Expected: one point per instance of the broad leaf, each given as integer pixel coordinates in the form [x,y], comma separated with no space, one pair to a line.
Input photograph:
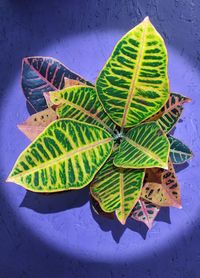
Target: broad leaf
[117,189]
[133,84]
[81,103]
[145,212]
[66,155]
[36,123]
[44,74]
[169,115]
[144,146]
[165,192]
[97,209]
[179,152]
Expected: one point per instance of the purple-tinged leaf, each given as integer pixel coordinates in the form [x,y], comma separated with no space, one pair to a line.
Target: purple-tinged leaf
[44,74]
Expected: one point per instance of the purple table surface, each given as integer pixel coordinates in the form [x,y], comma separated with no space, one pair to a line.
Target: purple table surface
[59,235]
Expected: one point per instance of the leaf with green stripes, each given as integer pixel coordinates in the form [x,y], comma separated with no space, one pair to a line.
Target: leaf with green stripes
[169,115]
[117,189]
[81,103]
[66,155]
[179,152]
[133,84]
[144,146]
[145,212]
[98,210]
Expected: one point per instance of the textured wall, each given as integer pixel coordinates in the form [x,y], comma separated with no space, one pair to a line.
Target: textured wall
[59,236]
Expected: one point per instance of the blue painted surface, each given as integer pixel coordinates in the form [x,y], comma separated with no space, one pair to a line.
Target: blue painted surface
[59,236]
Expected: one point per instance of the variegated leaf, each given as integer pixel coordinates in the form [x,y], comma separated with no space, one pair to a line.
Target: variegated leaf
[133,84]
[169,115]
[70,82]
[44,74]
[164,193]
[145,212]
[144,146]
[98,210]
[81,103]
[179,152]
[117,189]
[66,155]
[36,123]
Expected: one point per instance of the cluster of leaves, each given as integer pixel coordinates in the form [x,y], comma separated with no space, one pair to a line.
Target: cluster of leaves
[113,136]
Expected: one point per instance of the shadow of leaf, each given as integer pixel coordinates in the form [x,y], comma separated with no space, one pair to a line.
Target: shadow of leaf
[56,202]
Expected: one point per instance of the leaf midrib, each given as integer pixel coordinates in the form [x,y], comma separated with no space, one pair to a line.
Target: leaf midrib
[89,114]
[135,76]
[64,156]
[145,151]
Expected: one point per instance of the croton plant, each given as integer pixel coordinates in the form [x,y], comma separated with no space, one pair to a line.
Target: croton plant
[112,136]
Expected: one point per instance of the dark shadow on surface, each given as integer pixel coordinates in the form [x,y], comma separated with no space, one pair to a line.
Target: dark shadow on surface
[50,203]
[164,215]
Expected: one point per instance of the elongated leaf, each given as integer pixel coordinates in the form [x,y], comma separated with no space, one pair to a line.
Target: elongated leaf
[36,123]
[97,209]
[44,74]
[117,189]
[144,146]
[65,156]
[145,212]
[81,103]
[133,84]
[164,193]
[179,152]
[171,112]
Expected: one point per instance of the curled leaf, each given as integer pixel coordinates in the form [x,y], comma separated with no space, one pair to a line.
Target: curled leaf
[97,209]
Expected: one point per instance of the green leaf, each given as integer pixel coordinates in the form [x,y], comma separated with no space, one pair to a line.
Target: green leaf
[66,155]
[179,152]
[161,187]
[133,84]
[144,146]
[37,122]
[44,74]
[171,112]
[117,189]
[81,103]
[145,212]
[98,210]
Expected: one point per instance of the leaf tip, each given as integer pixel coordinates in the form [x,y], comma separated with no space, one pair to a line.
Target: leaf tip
[146,19]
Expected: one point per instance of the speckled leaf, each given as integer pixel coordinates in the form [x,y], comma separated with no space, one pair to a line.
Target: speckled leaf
[36,123]
[44,74]
[117,189]
[81,103]
[66,155]
[145,212]
[165,192]
[133,84]
[144,146]
[169,115]
[179,152]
